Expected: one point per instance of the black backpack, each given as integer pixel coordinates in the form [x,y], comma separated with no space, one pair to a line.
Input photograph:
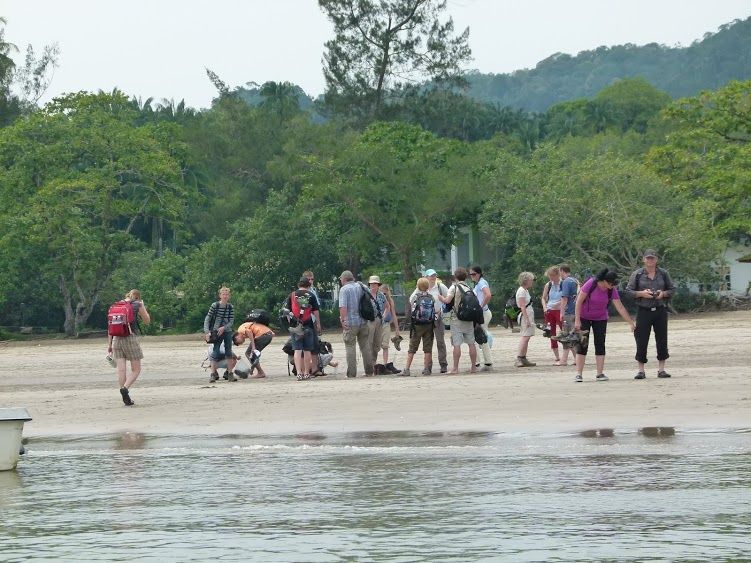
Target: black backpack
[469,307]
[367,305]
[258,316]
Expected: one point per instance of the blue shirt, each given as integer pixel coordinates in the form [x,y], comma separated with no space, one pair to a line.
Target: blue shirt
[349,298]
[480,295]
[568,289]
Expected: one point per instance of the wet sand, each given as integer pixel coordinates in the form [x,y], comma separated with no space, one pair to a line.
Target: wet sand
[69,389]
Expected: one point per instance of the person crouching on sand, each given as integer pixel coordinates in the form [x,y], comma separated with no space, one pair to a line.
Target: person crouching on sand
[260,336]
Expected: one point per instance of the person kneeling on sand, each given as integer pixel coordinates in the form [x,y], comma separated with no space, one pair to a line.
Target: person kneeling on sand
[260,336]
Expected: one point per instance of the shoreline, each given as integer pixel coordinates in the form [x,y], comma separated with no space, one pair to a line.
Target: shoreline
[70,391]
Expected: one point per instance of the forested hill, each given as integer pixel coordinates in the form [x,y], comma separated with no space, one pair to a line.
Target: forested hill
[679,71]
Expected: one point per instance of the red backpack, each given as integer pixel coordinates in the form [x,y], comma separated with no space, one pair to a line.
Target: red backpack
[301,306]
[120,317]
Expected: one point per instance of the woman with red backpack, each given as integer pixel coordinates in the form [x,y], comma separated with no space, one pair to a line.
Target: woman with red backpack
[125,346]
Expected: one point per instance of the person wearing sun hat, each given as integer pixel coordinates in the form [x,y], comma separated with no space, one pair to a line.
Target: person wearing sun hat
[651,288]
[376,325]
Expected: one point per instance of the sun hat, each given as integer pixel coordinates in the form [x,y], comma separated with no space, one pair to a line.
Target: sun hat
[374,279]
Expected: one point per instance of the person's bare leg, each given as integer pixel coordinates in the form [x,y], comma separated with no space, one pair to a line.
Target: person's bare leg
[121,368]
[457,355]
[410,357]
[580,359]
[308,361]
[473,358]
[135,371]
[523,345]
[300,363]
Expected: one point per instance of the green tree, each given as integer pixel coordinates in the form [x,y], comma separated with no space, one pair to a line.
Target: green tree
[593,211]
[78,181]
[708,155]
[383,46]
[400,190]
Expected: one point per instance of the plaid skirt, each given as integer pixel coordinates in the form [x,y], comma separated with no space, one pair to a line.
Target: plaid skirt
[127,347]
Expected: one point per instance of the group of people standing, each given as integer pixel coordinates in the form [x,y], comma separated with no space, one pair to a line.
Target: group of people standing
[569,307]
[583,309]
[427,322]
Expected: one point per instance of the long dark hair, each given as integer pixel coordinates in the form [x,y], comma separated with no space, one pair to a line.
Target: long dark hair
[477,270]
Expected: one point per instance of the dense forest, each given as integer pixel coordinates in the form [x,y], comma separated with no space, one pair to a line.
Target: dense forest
[102,192]
[713,61]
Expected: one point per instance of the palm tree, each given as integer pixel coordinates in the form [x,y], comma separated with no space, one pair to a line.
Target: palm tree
[281,97]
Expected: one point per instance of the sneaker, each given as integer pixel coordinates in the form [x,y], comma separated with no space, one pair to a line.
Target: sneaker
[640,375]
[214,377]
[405,372]
[231,376]
[426,371]
[601,377]
[389,368]
[523,362]
[578,378]
[444,369]
[226,375]
[662,374]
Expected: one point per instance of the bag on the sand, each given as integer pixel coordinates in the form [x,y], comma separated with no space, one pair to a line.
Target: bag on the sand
[120,318]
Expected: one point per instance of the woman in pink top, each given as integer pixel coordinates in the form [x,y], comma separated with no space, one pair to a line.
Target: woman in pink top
[592,311]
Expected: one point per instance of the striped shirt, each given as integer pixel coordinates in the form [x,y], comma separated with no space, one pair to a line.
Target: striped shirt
[223,315]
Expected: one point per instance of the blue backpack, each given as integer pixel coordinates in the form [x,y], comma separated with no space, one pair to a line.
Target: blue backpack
[423,312]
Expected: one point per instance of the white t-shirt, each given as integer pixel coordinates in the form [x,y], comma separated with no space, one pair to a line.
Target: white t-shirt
[523,295]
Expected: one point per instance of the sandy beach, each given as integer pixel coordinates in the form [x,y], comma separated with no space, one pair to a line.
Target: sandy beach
[69,389]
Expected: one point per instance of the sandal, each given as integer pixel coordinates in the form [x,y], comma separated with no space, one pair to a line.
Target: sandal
[557,363]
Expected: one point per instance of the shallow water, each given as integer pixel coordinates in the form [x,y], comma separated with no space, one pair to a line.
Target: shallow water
[653,494]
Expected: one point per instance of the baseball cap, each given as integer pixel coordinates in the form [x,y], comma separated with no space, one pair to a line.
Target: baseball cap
[650,253]
[430,272]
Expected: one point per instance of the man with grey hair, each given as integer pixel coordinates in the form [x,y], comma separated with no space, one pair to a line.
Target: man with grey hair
[354,327]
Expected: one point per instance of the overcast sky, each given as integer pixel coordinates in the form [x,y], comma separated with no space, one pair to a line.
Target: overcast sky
[160,48]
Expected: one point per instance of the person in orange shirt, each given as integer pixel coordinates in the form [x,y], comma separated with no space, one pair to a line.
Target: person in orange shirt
[260,336]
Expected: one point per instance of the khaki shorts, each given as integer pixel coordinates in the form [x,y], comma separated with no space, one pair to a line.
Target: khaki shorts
[126,347]
[462,332]
[385,335]
[527,327]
